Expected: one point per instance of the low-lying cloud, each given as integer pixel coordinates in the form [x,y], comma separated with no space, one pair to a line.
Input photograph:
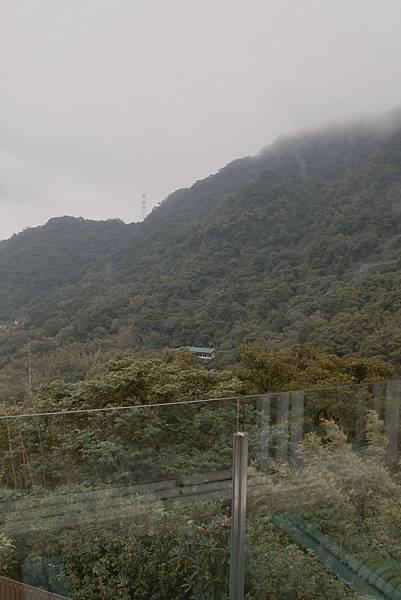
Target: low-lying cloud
[102,101]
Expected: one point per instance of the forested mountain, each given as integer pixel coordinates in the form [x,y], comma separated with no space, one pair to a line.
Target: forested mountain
[55,257]
[299,243]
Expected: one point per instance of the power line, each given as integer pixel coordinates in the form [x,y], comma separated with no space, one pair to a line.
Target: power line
[112,408]
[233,399]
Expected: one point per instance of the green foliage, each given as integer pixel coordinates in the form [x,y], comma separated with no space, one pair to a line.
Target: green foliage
[83,473]
[126,446]
[7,554]
[175,555]
[298,244]
[349,497]
[279,569]
[304,366]
[134,382]
[374,430]
[385,567]
[296,248]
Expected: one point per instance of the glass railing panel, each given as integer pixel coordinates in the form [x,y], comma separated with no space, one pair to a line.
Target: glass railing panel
[324,493]
[119,504]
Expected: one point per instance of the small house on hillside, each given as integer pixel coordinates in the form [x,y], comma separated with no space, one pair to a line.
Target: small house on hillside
[202,353]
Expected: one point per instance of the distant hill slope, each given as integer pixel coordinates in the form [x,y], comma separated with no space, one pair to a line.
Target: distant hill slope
[302,242]
[42,260]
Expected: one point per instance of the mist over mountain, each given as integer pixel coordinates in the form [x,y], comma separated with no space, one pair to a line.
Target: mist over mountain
[299,243]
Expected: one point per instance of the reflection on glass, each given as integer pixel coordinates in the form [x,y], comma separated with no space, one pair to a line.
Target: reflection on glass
[324,506]
[136,503]
[119,504]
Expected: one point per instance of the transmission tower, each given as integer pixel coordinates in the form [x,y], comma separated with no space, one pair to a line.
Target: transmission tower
[143,206]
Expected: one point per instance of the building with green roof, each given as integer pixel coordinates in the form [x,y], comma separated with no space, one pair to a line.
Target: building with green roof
[202,352]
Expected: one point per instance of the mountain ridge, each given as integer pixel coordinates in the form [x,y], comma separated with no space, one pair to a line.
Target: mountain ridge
[299,243]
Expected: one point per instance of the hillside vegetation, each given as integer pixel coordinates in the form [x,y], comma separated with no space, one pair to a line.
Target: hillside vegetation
[300,243]
[83,492]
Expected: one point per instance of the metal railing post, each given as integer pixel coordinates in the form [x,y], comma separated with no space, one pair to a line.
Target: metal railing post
[392,421]
[238,516]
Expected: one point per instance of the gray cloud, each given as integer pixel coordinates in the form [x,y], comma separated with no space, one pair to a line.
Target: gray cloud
[102,100]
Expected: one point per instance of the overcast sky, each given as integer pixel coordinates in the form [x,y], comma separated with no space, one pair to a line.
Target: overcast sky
[102,100]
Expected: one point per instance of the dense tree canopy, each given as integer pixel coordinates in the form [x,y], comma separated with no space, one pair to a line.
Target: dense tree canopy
[288,263]
[300,243]
[79,490]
